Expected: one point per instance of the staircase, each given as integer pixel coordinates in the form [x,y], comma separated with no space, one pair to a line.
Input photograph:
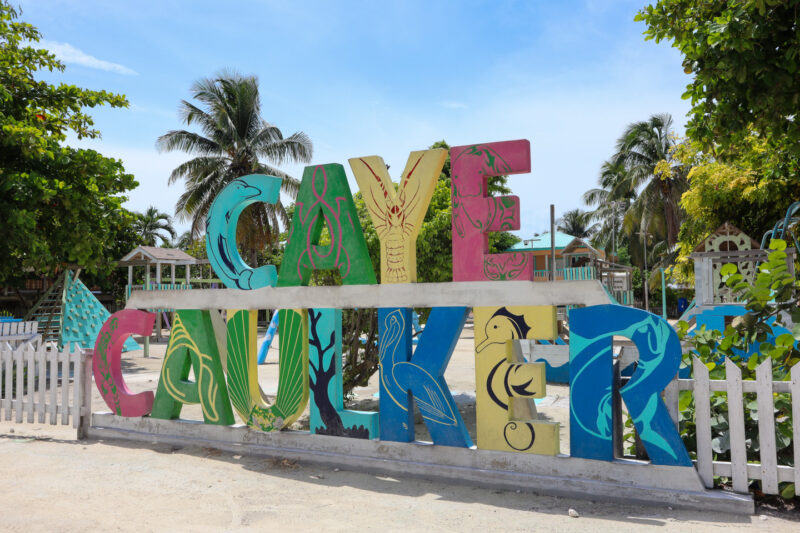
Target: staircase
[49,309]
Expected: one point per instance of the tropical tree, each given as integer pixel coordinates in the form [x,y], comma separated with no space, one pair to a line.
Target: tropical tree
[234,141]
[59,205]
[612,203]
[742,59]
[736,191]
[154,225]
[184,241]
[577,223]
[652,173]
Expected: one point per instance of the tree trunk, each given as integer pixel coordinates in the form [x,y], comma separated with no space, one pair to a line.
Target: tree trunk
[670,213]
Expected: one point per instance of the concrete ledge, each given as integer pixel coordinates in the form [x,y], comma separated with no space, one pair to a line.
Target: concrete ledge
[619,481]
[465,293]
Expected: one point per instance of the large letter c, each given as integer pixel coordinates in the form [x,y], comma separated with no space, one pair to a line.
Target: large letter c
[221,231]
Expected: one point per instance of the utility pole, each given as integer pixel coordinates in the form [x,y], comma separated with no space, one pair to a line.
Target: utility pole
[614,240]
[552,242]
[644,278]
[614,232]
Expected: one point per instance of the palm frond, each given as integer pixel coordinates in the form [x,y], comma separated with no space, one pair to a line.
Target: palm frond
[295,148]
[199,166]
[289,185]
[187,141]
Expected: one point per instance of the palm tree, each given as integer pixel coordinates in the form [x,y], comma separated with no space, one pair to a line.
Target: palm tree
[184,241]
[577,223]
[235,141]
[152,225]
[612,201]
[646,149]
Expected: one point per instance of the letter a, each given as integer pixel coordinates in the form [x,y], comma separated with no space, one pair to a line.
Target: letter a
[324,198]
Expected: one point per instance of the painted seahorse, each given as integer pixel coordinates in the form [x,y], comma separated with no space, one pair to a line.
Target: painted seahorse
[507,418]
[504,379]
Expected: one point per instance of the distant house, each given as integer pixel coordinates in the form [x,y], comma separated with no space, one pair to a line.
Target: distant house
[539,247]
[576,259]
[571,251]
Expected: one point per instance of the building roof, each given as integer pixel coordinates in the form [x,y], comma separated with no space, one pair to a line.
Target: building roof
[542,242]
[149,255]
[737,239]
[581,243]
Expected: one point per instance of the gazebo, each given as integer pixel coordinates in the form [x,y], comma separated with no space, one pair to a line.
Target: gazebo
[149,256]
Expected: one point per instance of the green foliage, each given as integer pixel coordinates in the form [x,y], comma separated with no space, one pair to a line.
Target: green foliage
[434,244]
[623,255]
[637,283]
[58,204]
[770,297]
[745,58]
[34,113]
[737,191]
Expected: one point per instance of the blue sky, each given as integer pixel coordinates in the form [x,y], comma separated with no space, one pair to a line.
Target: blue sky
[378,78]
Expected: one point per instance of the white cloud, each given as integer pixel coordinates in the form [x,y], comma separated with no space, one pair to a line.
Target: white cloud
[71,55]
[450,104]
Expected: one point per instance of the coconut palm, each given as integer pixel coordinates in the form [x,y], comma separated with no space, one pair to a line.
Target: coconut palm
[234,141]
[651,172]
[612,200]
[577,223]
[184,241]
[154,225]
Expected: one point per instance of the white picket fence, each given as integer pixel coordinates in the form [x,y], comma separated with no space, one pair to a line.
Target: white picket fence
[45,384]
[738,469]
[17,332]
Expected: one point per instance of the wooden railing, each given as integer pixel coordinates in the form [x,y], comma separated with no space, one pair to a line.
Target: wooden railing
[567,274]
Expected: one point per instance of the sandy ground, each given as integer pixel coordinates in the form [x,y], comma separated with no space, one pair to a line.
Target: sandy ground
[53,482]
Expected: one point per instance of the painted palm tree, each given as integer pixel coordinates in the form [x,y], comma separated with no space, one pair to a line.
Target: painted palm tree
[153,225]
[652,174]
[577,223]
[234,141]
